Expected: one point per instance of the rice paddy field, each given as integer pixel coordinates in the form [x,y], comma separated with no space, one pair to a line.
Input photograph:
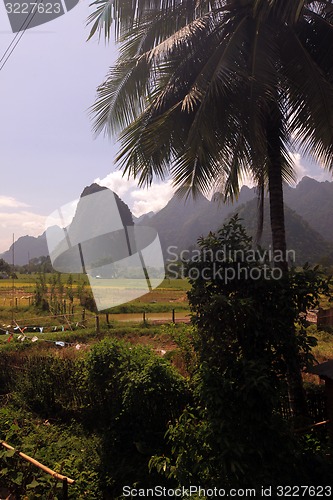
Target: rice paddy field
[142,320]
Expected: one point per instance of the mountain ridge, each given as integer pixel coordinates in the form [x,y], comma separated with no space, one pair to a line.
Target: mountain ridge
[181,222]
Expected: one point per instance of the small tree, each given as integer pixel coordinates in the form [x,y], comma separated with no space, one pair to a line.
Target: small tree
[41,293]
[242,310]
[5,268]
[69,289]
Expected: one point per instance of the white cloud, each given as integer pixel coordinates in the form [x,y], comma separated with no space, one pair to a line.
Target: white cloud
[153,198]
[307,165]
[117,183]
[325,175]
[321,174]
[19,223]
[10,202]
[298,165]
[16,219]
[140,201]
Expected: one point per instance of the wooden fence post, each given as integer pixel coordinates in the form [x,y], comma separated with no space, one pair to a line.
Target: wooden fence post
[65,489]
[97,323]
[173,316]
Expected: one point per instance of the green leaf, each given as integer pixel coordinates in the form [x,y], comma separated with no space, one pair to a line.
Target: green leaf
[18,479]
[33,484]
[10,453]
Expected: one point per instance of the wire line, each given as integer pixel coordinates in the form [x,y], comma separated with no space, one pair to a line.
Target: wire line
[19,34]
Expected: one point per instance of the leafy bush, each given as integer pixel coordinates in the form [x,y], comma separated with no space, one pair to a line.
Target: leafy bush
[114,403]
[67,449]
[50,385]
[244,347]
[134,397]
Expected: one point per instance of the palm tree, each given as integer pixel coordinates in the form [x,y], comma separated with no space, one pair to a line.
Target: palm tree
[211,91]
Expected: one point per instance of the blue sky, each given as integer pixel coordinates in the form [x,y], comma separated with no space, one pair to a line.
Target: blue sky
[48,152]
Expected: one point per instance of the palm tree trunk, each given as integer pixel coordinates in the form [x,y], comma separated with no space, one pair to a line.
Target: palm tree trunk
[275,187]
[296,392]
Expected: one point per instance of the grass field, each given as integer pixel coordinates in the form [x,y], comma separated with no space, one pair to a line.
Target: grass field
[17,291]
[17,304]
[77,325]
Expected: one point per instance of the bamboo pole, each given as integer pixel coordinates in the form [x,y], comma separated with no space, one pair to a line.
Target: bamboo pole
[52,473]
[313,426]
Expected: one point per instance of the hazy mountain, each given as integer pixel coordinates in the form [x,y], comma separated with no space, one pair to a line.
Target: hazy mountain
[308,245]
[97,206]
[309,221]
[96,231]
[181,222]
[313,200]
[25,248]
[93,215]
[143,217]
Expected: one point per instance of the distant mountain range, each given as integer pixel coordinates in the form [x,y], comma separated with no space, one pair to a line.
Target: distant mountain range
[308,216]
[313,201]
[308,211]
[26,248]
[181,222]
[307,243]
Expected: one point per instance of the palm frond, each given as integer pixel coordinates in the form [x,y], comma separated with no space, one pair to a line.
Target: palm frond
[193,88]
[123,14]
[120,99]
[311,101]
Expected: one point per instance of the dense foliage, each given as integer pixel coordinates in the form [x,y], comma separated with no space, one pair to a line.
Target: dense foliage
[115,414]
[242,313]
[97,417]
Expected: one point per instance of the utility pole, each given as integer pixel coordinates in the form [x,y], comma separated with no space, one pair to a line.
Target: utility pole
[13,284]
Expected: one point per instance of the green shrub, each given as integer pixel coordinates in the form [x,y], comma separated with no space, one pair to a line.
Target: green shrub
[134,396]
[67,449]
[246,345]
[50,385]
